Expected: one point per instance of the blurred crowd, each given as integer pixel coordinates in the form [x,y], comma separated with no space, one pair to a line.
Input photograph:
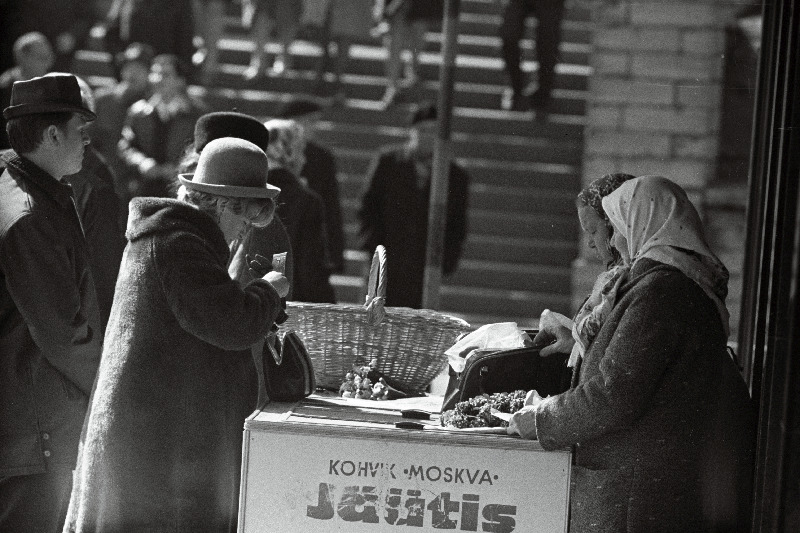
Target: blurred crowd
[191,30]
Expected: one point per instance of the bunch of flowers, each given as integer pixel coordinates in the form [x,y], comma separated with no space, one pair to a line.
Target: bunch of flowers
[476,412]
[364,383]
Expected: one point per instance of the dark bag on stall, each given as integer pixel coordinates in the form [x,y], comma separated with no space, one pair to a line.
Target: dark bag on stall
[288,371]
[487,372]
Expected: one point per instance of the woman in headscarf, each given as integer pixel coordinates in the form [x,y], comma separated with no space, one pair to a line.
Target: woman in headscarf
[660,420]
[574,336]
[162,445]
[302,211]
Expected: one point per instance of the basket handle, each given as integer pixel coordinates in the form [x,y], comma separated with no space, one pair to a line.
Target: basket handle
[376,287]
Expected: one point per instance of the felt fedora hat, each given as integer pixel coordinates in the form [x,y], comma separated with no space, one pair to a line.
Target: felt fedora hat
[231,167]
[54,93]
[229,124]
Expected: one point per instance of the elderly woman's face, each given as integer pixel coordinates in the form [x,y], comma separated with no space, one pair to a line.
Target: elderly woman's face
[596,233]
[233,225]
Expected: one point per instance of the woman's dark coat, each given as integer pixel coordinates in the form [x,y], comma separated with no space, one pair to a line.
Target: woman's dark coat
[162,448]
[660,418]
[303,213]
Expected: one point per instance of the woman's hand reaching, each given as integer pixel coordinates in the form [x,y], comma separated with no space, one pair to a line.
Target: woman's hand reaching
[555,334]
[522,422]
[278,281]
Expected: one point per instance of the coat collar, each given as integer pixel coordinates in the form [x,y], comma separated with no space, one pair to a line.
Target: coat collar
[150,216]
[20,166]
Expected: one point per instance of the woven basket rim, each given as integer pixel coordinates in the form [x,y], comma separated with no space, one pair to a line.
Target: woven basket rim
[392,313]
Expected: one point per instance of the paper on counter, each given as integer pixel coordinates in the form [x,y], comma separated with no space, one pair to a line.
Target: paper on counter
[498,336]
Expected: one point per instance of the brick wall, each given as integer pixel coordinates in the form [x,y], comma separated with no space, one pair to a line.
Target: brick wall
[654,107]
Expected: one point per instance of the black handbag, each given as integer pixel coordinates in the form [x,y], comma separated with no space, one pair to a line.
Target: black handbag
[288,371]
[490,371]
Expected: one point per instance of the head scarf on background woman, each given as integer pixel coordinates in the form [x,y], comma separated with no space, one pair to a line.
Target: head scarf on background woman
[660,222]
[287,145]
[594,310]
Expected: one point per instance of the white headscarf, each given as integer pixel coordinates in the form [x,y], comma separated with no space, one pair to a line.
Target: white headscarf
[660,222]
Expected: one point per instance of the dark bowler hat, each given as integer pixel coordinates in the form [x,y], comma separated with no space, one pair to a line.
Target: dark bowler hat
[229,124]
[231,167]
[55,93]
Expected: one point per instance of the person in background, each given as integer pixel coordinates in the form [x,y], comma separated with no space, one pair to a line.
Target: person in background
[209,17]
[157,130]
[33,57]
[99,209]
[394,210]
[265,241]
[341,23]
[660,420]
[132,68]
[574,336]
[167,27]
[260,241]
[265,17]
[302,211]
[404,24]
[548,13]
[163,442]
[65,24]
[50,325]
[319,173]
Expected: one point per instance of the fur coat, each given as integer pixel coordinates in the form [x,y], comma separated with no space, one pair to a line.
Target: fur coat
[162,446]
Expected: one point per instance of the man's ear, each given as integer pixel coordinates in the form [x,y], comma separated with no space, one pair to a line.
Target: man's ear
[51,135]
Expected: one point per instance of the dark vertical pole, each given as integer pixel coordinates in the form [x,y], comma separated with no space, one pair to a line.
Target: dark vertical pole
[771,311]
[442,152]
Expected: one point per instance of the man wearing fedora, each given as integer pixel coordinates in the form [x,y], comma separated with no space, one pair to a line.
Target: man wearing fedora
[163,441]
[50,327]
[394,209]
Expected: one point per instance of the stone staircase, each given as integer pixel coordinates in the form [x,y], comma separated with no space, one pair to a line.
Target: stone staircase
[525,172]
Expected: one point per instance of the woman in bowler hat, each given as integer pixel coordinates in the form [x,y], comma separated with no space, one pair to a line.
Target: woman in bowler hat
[162,446]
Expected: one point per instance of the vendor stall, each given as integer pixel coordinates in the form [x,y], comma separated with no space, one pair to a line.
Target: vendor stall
[332,464]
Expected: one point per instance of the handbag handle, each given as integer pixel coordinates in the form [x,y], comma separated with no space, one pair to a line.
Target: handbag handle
[376,287]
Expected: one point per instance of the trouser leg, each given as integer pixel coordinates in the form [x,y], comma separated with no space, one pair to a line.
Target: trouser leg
[548,36]
[511,31]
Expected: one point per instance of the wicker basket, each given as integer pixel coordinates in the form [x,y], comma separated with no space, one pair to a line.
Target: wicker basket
[408,344]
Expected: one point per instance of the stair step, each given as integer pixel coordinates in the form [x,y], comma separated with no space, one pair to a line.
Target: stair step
[519,250]
[463,144]
[372,87]
[484,196]
[355,161]
[370,60]
[508,276]
[500,302]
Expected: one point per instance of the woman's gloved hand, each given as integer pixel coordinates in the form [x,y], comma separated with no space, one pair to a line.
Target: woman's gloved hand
[517,425]
[278,281]
[555,334]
